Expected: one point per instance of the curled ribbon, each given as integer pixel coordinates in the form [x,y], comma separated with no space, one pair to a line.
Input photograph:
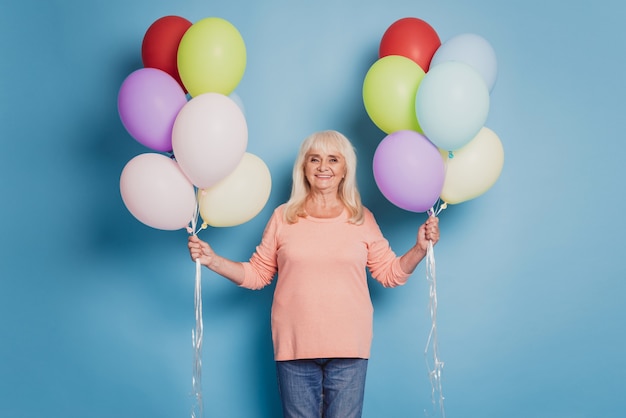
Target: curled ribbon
[196,338]
[196,334]
[435,365]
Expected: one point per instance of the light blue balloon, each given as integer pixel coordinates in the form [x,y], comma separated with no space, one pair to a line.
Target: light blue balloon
[452,104]
[471,49]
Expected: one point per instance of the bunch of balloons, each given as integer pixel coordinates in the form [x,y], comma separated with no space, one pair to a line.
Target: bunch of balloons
[432,100]
[182,105]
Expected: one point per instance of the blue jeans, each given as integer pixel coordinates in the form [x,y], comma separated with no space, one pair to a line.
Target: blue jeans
[328,388]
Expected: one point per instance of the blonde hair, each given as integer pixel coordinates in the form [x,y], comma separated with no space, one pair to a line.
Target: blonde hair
[326,142]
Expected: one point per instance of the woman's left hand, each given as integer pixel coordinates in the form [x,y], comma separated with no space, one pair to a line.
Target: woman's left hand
[428,231]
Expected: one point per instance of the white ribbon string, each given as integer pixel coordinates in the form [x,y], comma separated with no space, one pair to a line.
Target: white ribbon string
[435,365]
[196,338]
[196,334]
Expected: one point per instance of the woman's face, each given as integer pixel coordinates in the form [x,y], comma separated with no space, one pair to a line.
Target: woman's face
[324,171]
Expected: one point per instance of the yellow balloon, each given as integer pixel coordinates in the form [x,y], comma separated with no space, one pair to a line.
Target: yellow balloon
[211,57]
[473,168]
[389,91]
[238,197]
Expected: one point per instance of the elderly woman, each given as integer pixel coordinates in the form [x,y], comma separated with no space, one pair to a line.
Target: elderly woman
[320,244]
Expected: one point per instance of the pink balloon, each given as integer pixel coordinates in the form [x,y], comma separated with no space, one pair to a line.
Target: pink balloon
[409,170]
[209,138]
[148,102]
[157,193]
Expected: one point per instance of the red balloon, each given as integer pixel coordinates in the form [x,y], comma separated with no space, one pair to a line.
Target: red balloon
[412,38]
[159,48]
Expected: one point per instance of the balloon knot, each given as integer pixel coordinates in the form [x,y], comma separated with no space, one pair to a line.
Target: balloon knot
[204,225]
[450,154]
[189,230]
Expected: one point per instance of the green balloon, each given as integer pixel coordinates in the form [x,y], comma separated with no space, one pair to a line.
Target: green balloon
[211,57]
[389,91]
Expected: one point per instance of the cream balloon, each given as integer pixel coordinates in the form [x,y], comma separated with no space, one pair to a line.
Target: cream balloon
[473,168]
[238,197]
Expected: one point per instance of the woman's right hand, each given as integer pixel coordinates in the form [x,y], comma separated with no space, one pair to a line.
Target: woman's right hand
[200,250]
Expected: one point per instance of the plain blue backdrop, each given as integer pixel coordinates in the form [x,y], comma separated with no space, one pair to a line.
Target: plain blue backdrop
[96,309]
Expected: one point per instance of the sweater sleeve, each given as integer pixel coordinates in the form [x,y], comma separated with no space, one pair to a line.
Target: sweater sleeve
[263,265]
[382,261]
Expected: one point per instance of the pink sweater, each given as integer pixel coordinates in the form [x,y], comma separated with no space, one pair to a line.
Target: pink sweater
[322,306]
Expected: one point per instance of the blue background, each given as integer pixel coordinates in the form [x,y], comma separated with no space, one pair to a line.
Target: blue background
[96,309]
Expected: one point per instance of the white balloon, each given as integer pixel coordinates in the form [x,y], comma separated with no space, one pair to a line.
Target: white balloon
[237,99]
[157,192]
[473,50]
[209,138]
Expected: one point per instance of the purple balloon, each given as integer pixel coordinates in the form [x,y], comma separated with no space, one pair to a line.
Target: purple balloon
[148,102]
[409,170]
